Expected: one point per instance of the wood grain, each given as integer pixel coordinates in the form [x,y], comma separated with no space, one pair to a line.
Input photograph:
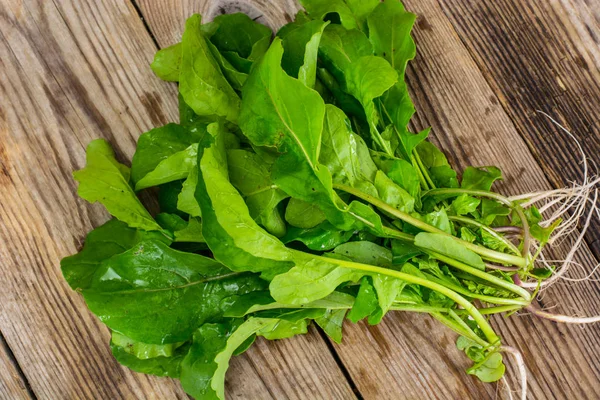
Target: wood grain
[71,73]
[13,385]
[541,55]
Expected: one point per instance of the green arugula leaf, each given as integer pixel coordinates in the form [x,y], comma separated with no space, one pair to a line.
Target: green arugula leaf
[238,33]
[159,366]
[319,9]
[144,351]
[303,215]
[366,302]
[158,144]
[251,175]
[157,295]
[365,253]
[322,237]
[230,232]
[340,47]
[167,63]
[465,204]
[393,194]
[480,178]
[175,167]
[344,153]
[389,31]
[201,83]
[301,45]
[366,79]
[436,162]
[186,200]
[332,323]
[111,238]
[448,246]
[106,181]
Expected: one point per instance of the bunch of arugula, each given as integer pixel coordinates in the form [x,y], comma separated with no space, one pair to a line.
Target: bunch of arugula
[292,191]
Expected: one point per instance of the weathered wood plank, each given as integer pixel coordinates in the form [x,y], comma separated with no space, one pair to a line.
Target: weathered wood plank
[13,385]
[71,73]
[407,356]
[541,56]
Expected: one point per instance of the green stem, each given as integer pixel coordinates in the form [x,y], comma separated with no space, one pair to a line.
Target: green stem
[498,310]
[482,251]
[421,167]
[496,235]
[511,287]
[461,301]
[499,198]
[450,323]
[482,297]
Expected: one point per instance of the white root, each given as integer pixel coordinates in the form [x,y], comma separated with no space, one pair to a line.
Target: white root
[520,366]
[575,204]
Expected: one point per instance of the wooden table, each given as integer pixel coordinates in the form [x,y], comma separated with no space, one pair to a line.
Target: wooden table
[71,71]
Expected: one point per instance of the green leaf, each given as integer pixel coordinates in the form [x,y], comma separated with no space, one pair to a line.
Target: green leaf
[341,152]
[448,246]
[389,31]
[365,303]
[192,233]
[403,251]
[106,181]
[199,366]
[322,237]
[251,175]
[480,178]
[440,220]
[366,79]
[167,63]
[401,172]
[157,295]
[174,167]
[303,215]
[490,209]
[186,200]
[235,78]
[393,194]
[465,204]
[301,45]
[440,171]
[340,47]
[252,326]
[112,238]
[331,323]
[143,351]
[201,83]
[310,279]
[156,145]
[318,9]
[238,33]
[159,366]
[230,232]
[365,253]
[361,9]
[467,235]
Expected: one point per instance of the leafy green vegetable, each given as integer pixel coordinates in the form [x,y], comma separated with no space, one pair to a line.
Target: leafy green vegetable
[293,191]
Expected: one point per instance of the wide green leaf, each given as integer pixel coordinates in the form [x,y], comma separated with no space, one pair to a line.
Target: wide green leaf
[175,167]
[157,295]
[114,237]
